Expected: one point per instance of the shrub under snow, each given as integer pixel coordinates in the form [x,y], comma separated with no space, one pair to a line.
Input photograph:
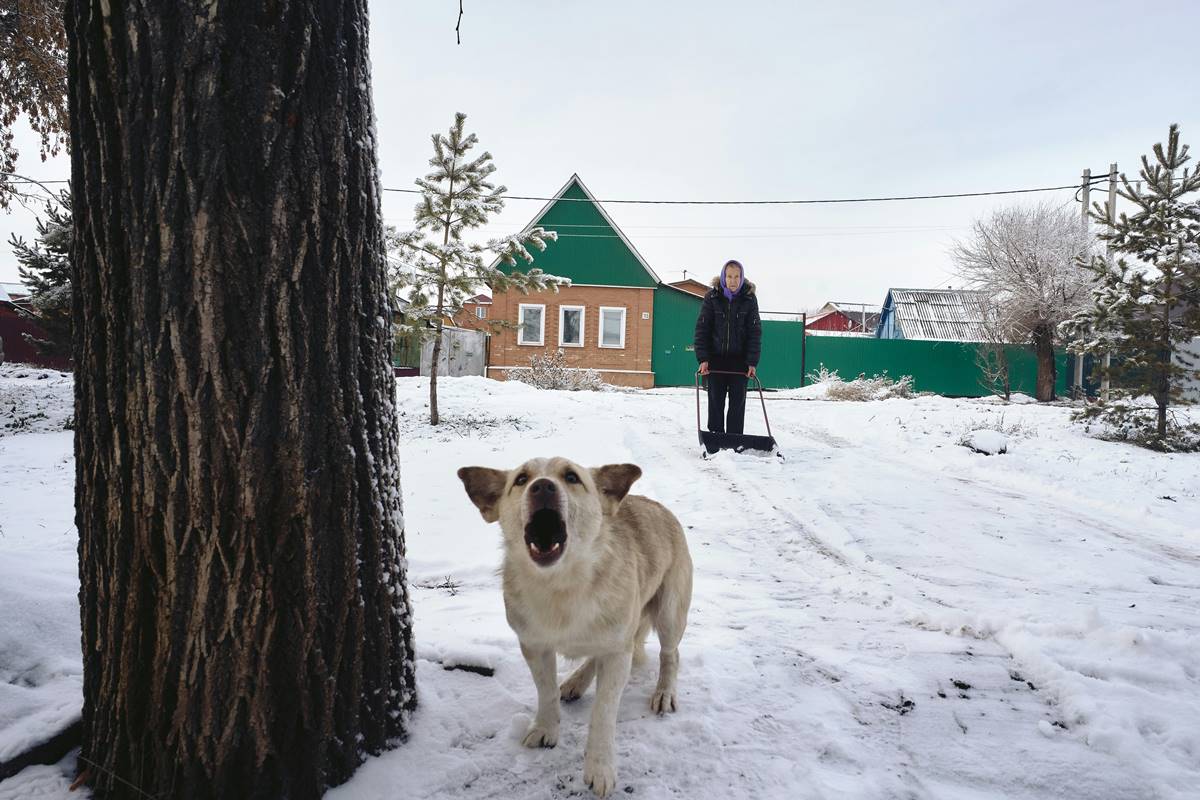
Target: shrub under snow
[551,372]
[862,388]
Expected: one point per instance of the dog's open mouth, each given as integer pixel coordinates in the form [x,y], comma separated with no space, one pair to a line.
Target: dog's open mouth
[545,536]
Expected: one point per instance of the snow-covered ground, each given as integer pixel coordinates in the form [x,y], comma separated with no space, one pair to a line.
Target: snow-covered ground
[886,614]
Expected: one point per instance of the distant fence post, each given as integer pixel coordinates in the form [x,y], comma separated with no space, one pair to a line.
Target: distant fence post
[803,346]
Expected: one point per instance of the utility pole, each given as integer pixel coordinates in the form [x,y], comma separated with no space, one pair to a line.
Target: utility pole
[1112,219]
[1077,378]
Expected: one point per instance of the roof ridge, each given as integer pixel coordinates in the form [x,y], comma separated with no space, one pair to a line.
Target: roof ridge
[575,179]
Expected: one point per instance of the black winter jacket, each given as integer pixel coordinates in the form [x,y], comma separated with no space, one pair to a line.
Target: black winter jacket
[729,333]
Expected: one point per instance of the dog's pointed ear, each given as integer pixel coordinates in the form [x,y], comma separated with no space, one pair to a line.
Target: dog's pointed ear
[484,486]
[613,482]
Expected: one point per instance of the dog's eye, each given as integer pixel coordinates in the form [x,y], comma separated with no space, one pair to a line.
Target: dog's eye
[521,480]
[572,477]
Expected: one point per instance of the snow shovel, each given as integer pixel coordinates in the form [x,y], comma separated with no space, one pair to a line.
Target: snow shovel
[738,442]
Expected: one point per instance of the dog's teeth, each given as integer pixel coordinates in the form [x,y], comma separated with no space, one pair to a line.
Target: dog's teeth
[554,548]
[533,548]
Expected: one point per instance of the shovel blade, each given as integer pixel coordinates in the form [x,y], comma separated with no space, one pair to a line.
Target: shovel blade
[735,441]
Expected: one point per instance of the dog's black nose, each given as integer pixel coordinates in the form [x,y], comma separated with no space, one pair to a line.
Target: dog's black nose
[542,486]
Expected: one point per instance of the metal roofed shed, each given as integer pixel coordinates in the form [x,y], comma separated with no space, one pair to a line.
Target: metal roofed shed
[950,315]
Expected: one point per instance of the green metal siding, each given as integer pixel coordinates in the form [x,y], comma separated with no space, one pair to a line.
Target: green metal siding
[674,356]
[589,250]
[779,364]
[947,368]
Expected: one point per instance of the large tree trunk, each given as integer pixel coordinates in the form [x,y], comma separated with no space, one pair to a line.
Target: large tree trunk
[246,625]
[1047,373]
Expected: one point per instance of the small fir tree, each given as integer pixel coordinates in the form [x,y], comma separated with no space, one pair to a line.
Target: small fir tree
[45,267]
[434,265]
[1147,310]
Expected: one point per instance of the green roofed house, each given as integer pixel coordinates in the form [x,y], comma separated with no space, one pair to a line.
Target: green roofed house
[617,317]
[607,320]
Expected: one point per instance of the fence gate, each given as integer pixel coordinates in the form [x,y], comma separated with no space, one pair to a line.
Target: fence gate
[464,352]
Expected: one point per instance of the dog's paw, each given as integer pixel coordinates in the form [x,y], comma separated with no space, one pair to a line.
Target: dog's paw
[539,736]
[600,775]
[662,701]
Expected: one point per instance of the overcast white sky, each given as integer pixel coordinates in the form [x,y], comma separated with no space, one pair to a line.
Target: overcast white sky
[716,100]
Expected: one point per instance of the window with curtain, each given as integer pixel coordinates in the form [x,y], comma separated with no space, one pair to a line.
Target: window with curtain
[531,324]
[570,326]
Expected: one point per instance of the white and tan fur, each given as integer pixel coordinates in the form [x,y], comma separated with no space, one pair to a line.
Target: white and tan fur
[624,568]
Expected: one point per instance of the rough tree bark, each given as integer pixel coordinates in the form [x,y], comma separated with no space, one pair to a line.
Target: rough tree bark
[245,617]
[1047,371]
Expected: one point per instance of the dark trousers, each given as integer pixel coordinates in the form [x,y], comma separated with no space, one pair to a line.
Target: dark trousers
[718,387]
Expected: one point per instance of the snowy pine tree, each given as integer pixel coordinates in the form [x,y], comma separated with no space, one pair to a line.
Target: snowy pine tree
[437,265]
[1146,310]
[45,267]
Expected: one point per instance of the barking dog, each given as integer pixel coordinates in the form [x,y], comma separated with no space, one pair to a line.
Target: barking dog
[588,570]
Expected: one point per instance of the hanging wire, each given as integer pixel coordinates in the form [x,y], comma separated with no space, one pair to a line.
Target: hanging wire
[777,202]
[883,199]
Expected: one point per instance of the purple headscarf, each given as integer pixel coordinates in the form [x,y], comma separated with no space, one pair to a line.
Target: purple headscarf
[728,294]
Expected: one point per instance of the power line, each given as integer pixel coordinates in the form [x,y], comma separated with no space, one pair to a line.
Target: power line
[826,201]
[25,180]
[778,202]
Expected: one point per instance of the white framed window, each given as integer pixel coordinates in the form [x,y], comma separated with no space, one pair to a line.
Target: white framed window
[481,312]
[570,326]
[531,324]
[612,327]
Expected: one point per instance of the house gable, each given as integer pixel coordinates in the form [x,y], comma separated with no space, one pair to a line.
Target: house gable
[591,250]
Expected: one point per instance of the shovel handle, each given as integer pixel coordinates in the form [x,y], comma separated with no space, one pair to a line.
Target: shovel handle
[757,381]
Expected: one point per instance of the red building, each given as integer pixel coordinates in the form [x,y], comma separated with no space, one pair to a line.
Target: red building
[857,318]
[15,323]
[692,286]
[475,314]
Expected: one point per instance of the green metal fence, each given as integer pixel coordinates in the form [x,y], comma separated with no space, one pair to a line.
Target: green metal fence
[780,365]
[674,358]
[947,368]
[406,350]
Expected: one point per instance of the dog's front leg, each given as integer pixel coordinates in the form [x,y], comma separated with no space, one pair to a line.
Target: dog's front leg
[543,665]
[599,760]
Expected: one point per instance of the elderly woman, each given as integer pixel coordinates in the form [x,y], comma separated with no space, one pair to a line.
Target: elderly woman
[728,339]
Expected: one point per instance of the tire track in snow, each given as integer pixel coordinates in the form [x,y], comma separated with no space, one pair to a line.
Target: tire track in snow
[767,621]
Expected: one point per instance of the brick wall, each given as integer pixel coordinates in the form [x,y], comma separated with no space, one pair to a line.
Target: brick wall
[627,366]
[468,318]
